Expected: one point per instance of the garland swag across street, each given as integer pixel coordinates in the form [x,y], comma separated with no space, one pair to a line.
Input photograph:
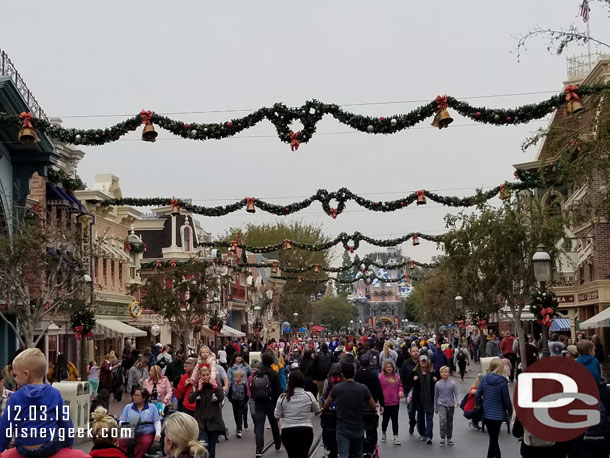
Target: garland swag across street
[336,198]
[309,114]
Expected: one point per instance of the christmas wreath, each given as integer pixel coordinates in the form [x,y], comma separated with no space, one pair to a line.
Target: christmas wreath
[480,319]
[82,323]
[543,304]
[215,322]
[135,247]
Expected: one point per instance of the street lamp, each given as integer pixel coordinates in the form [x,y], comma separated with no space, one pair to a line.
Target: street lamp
[351,324]
[543,271]
[257,308]
[459,303]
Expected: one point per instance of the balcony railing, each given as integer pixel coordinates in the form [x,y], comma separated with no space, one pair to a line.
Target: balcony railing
[580,66]
[8,69]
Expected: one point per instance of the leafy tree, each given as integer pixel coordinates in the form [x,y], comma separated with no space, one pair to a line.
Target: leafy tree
[185,294]
[490,253]
[42,272]
[295,296]
[335,311]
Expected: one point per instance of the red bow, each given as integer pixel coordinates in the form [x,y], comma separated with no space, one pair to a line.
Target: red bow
[571,92]
[294,140]
[420,193]
[250,200]
[441,102]
[127,246]
[172,263]
[351,249]
[174,203]
[461,323]
[158,264]
[333,213]
[411,264]
[89,335]
[145,116]
[26,117]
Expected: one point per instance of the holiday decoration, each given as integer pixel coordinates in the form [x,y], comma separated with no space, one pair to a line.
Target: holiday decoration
[172,263]
[543,304]
[158,263]
[274,267]
[573,100]
[411,264]
[82,322]
[148,133]
[250,205]
[67,182]
[27,134]
[287,244]
[233,246]
[308,114]
[294,140]
[415,239]
[215,322]
[330,280]
[298,279]
[316,268]
[175,206]
[421,197]
[442,118]
[529,180]
[504,192]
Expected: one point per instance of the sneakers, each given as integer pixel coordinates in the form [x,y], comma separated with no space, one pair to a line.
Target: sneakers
[422,438]
[383,437]
[245,425]
[449,442]
[238,434]
[411,429]
[429,442]
[278,447]
[259,454]
[442,442]
[396,440]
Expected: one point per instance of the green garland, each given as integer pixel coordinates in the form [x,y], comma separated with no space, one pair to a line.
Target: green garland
[367,279]
[309,114]
[364,264]
[215,323]
[82,321]
[337,198]
[60,177]
[541,300]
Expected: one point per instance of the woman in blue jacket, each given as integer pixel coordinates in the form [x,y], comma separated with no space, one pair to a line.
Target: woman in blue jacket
[494,398]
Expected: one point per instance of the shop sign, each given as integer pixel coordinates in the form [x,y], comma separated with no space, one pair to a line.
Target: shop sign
[588,296]
[569,299]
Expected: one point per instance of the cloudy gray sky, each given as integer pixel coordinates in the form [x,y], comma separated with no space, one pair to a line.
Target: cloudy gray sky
[117,57]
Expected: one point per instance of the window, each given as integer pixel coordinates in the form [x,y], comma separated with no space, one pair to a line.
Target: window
[105,271]
[591,272]
[120,274]
[112,272]
[96,272]
[186,238]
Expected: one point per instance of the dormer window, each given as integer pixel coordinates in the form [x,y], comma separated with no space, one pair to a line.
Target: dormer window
[187,238]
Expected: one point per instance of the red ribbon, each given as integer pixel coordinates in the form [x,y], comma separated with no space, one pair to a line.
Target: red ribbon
[172,263]
[250,200]
[571,92]
[26,118]
[441,102]
[158,264]
[333,213]
[294,140]
[461,324]
[127,246]
[145,116]
[420,193]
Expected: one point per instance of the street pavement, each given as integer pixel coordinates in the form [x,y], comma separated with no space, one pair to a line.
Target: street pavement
[468,443]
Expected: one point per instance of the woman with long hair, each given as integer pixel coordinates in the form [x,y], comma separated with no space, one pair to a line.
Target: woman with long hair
[492,394]
[159,387]
[181,432]
[423,380]
[137,374]
[105,432]
[388,353]
[295,409]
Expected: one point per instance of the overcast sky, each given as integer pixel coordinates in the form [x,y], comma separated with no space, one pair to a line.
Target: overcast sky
[117,57]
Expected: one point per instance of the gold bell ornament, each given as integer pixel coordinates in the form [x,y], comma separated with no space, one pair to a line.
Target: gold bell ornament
[415,239]
[316,268]
[233,246]
[574,105]
[299,280]
[287,244]
[421,197]
[411,264]
[330,280]
[442,118]
[250,205]
[504,192]
[149,134]
[27,134]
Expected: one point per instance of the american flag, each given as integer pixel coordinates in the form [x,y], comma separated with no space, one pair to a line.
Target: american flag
[584,10]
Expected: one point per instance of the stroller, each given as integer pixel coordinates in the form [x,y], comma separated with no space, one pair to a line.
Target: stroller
[370,449]
[328,421]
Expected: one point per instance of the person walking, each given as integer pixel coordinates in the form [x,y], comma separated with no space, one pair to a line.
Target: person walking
[265,389]
[351,398]
[446,398]
[320,367]
[238,396]
[506,347]
[423,382]
[462,359]
[492,394]
[295,410]
[392,394]
[406,369]
[476,342]
[185,386]
[137,374]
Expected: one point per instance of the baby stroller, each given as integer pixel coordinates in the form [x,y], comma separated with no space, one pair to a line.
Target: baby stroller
[371,423]
[328,421]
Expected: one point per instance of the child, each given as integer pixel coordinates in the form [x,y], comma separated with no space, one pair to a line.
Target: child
[94,378]
[35,415]
[446,397]
[206,359]
[587,358]
[392,393]
[238,395]
[468,408]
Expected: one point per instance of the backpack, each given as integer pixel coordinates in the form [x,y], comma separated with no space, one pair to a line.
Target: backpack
[373,356]
[464,401]
[63,374]
[324,363]
[261,387]
[461,357]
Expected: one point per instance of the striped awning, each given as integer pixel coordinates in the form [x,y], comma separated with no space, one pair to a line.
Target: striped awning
[113,329]
[560,324]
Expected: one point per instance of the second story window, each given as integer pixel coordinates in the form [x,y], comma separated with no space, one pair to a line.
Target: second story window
[112,272]
[187,239]
[105,270]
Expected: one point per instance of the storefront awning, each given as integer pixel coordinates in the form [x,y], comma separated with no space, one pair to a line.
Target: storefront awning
[560,324]
[113,329]
[226,331]
[601,320]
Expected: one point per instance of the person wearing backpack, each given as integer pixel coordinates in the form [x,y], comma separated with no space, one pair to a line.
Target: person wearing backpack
[265,390]
[320,367]
[373,356]
[461,359]
[532,447]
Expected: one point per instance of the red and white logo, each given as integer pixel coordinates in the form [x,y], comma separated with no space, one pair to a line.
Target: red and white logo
[557,399]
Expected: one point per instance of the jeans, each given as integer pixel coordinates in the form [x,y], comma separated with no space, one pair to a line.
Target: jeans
[390,412]
[493,429]
[412,413]
[240,413]
[475,353]
[297,441]
[210,438]
[445,421]
[265,410]
[425,423]
[349,443]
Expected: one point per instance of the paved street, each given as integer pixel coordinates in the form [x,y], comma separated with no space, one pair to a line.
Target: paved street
[468,443]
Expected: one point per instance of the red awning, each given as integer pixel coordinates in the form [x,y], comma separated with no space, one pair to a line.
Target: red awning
[316,329]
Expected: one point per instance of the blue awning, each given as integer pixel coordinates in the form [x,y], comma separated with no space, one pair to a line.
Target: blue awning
[560,324]
[57,194]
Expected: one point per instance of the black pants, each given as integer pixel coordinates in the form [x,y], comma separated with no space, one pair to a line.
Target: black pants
[265,410]
[240,413]
[462,366]
[297,441]
[493,429]
[390,412]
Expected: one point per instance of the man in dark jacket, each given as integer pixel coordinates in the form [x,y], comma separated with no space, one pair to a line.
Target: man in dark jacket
[265,402]
[320,367]
[405,372]
[367,377]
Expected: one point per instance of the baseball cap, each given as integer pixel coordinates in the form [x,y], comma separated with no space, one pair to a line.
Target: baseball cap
[160,345]
[572,350]
[423,358]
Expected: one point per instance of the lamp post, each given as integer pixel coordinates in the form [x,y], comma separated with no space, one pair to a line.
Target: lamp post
[459,303]
[351,324]
[543,271]
[296,324]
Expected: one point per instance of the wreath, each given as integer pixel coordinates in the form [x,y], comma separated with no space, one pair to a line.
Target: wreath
[135,247]
[257,326]
[82,323]
[215,322]
[543,304]
[480,319]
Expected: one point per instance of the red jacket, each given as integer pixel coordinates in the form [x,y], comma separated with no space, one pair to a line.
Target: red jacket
[63,453]
[100,451]
[183,391]
[506,346]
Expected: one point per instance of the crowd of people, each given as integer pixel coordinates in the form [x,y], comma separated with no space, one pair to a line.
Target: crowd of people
[350,381]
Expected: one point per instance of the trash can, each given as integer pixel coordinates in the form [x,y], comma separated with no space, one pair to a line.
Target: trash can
[485,365]
[254,356]
[76,396]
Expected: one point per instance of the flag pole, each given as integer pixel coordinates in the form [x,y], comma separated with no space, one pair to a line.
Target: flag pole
[589,44]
